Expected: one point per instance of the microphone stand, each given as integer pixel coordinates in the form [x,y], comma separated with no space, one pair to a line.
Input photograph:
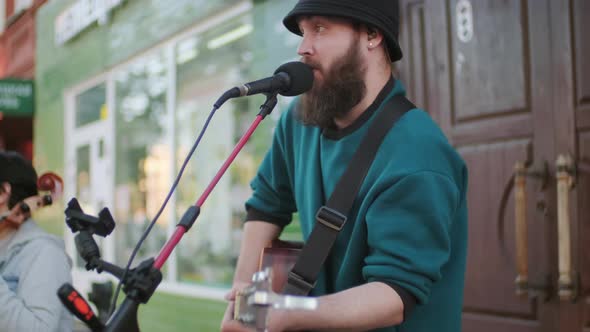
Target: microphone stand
[141,282]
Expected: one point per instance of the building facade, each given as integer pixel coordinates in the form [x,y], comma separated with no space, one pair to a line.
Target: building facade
[17,71]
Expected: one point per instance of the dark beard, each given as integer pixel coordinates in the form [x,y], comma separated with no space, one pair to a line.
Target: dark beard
[343,88]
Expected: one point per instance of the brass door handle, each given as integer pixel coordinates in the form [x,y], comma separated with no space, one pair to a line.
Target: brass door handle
[520,222]
[567,285]
[539,171]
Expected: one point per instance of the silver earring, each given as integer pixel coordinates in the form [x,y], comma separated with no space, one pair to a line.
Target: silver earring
[371,44]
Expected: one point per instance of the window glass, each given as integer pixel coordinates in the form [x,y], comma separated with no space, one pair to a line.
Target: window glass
[143,155]
[91,105]
[207,65]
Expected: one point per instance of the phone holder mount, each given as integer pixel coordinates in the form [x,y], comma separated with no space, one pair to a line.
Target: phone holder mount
[139,284]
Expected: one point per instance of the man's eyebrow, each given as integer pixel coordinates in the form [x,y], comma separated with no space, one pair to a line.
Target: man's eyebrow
[302,18]
[311,18]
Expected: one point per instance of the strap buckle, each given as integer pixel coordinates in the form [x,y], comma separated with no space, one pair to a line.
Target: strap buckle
[301,284]
[331,218]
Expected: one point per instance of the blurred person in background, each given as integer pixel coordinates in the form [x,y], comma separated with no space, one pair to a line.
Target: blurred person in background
[33,264]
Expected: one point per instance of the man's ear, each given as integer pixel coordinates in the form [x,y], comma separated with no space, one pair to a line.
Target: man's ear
[374,36]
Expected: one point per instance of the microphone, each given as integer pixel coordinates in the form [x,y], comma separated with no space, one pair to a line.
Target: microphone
[290,79]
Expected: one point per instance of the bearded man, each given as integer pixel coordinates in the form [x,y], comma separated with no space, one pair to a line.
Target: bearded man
[398,263]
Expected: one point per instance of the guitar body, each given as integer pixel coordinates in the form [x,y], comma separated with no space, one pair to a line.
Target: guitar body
[275,263]
[280,258]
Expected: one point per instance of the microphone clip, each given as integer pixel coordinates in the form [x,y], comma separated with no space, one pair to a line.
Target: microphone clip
[269,104]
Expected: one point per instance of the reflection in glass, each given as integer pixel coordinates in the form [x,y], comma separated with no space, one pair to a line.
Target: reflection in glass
[143,156]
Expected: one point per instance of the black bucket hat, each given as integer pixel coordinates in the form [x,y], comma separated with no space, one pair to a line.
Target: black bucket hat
[18,171]
[380,14]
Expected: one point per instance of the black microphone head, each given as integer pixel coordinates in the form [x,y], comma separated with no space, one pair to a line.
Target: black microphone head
[300,75]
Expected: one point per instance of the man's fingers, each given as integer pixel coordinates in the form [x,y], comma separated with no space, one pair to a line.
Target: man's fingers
[231,295]
[229,312]
[237,287]
[229,324]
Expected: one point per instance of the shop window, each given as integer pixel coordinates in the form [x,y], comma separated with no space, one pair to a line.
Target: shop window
[143,155]
[207,65]
[91,105]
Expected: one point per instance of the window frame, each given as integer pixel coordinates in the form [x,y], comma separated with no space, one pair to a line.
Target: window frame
[3,18]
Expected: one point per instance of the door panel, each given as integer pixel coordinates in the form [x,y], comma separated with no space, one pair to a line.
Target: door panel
[581,71]
[492,123]
[569,63]
[491,248]
[584,218]
[581,26]
[493,129]
[484,82]
[581,62]
[413,42]
[487,84]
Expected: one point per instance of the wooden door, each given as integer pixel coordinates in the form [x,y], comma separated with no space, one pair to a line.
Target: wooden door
[571,103]
[509,81]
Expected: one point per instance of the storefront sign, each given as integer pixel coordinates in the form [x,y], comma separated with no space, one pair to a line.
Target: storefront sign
[16,97]
[81,15]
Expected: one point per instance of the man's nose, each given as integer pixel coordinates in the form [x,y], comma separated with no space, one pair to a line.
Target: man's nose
[305,47]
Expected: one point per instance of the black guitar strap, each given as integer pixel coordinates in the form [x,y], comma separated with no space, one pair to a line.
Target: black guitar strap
[331,217]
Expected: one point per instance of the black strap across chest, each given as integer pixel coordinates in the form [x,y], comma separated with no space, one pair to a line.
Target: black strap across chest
[331,217]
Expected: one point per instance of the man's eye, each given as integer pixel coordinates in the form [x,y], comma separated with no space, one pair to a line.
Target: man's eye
[320,28]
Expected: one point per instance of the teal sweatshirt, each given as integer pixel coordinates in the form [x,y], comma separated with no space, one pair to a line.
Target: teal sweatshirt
[408,225]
